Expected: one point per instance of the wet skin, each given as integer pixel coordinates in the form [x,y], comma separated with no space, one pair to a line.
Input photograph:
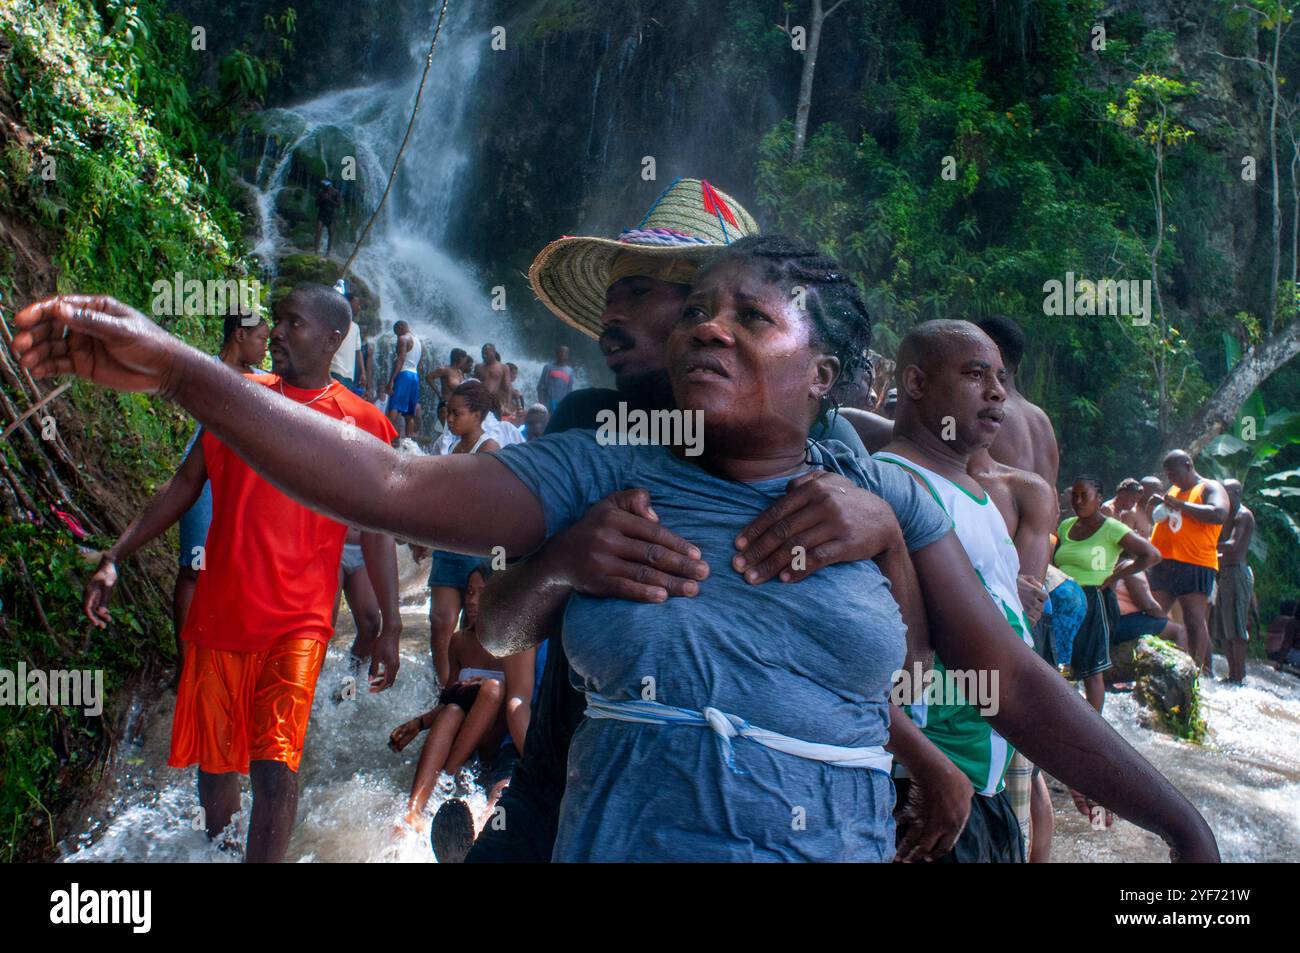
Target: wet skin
[299,451]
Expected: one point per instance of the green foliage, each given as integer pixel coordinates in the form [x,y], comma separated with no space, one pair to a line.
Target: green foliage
[124,169]
[128,189]
[45,749]
[993,152]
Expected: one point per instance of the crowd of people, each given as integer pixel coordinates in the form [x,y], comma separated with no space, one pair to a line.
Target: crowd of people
[688,657]
[509,418]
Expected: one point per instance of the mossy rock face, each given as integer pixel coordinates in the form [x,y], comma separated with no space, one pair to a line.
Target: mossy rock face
[1168,687]
[279,124]
[296,269]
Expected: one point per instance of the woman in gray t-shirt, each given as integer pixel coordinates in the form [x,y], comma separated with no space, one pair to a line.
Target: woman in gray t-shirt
[653,774]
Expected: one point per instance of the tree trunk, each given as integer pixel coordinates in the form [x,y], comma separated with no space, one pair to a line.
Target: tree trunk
[1274,66]
[1219,412]
[804,105]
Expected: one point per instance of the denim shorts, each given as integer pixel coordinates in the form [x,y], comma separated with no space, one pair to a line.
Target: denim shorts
[451,570]
[194,527]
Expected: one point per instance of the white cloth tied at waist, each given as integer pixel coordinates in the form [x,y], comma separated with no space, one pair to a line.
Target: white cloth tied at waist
[727,727]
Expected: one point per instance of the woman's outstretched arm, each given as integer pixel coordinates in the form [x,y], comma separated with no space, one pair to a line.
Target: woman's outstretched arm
[464,503]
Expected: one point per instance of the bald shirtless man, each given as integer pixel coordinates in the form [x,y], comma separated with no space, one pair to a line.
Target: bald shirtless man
[1027,439]
[1139,517]
[494,374]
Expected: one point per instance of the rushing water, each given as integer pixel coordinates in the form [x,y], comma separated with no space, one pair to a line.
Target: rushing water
[352,787]
[1246,781]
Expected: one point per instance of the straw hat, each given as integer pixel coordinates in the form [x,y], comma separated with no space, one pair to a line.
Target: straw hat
[687,223]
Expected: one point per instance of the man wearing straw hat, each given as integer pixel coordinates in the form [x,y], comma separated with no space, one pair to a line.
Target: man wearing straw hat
[627,293]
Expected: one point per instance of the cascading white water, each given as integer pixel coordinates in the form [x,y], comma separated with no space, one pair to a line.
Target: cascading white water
[446,301]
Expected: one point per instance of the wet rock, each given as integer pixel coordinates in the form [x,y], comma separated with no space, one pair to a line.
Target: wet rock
[1168,688]
[1121,657]
[296,269]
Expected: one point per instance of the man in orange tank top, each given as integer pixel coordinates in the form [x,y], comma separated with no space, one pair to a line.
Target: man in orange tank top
[1187,524]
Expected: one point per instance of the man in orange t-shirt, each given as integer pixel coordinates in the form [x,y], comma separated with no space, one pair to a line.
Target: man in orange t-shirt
[1187,524]
[262,613]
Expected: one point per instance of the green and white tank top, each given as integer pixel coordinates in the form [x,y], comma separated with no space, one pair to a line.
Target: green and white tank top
[958,730]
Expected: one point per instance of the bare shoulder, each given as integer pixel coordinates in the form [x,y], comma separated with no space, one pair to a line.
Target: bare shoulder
[874,430]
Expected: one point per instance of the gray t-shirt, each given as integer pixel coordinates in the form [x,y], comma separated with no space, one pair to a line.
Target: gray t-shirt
[811,660]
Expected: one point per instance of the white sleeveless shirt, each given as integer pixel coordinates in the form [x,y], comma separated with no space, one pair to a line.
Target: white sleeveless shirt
[411,362]
[983,534]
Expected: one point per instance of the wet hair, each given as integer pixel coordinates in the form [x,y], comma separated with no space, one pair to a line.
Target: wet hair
[1091,481]
[398,325]
[477,398]
[840,318]
[458,354]
[1130,485]
[1008,336]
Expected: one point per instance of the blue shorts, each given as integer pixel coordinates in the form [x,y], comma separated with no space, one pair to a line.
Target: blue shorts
[406,394]
[194,527]
[451,570]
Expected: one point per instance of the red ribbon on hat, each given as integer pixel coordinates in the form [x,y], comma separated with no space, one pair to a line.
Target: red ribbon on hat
[714,205]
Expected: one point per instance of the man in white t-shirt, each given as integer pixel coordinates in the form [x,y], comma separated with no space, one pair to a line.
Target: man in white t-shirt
[343,366]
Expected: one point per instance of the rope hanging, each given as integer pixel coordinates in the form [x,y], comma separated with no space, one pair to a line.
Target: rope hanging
[428,61]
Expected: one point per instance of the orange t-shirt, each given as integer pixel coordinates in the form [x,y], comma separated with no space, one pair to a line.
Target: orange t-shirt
[271,565]
[1185,538]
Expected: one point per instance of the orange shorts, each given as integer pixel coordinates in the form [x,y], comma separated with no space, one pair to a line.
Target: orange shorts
[236,707]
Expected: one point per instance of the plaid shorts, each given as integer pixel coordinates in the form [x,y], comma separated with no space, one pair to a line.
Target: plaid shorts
[1019,786]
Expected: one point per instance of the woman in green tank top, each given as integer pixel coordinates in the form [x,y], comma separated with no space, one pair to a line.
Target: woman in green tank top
[1095,551]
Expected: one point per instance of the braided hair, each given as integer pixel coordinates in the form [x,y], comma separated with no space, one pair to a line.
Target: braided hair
[1092,481]
[840,320]
[477,398]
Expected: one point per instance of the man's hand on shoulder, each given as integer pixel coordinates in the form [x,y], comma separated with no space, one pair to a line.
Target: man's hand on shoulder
[620,550]
[823,519]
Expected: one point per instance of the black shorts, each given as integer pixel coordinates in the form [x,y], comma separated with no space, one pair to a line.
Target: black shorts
[1180,578]
[992,834]
[461,694]
[1134,625]
[1045,639]
[1091,653]
[501,767]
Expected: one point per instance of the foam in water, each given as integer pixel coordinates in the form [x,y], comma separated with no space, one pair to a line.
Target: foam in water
[352,787]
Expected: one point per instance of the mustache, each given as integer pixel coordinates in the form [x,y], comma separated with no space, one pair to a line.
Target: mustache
[616,336]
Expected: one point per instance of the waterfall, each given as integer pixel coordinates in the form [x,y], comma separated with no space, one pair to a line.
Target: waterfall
[446,301]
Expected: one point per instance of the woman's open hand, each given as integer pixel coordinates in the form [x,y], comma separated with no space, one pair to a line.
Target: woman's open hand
[97,338]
